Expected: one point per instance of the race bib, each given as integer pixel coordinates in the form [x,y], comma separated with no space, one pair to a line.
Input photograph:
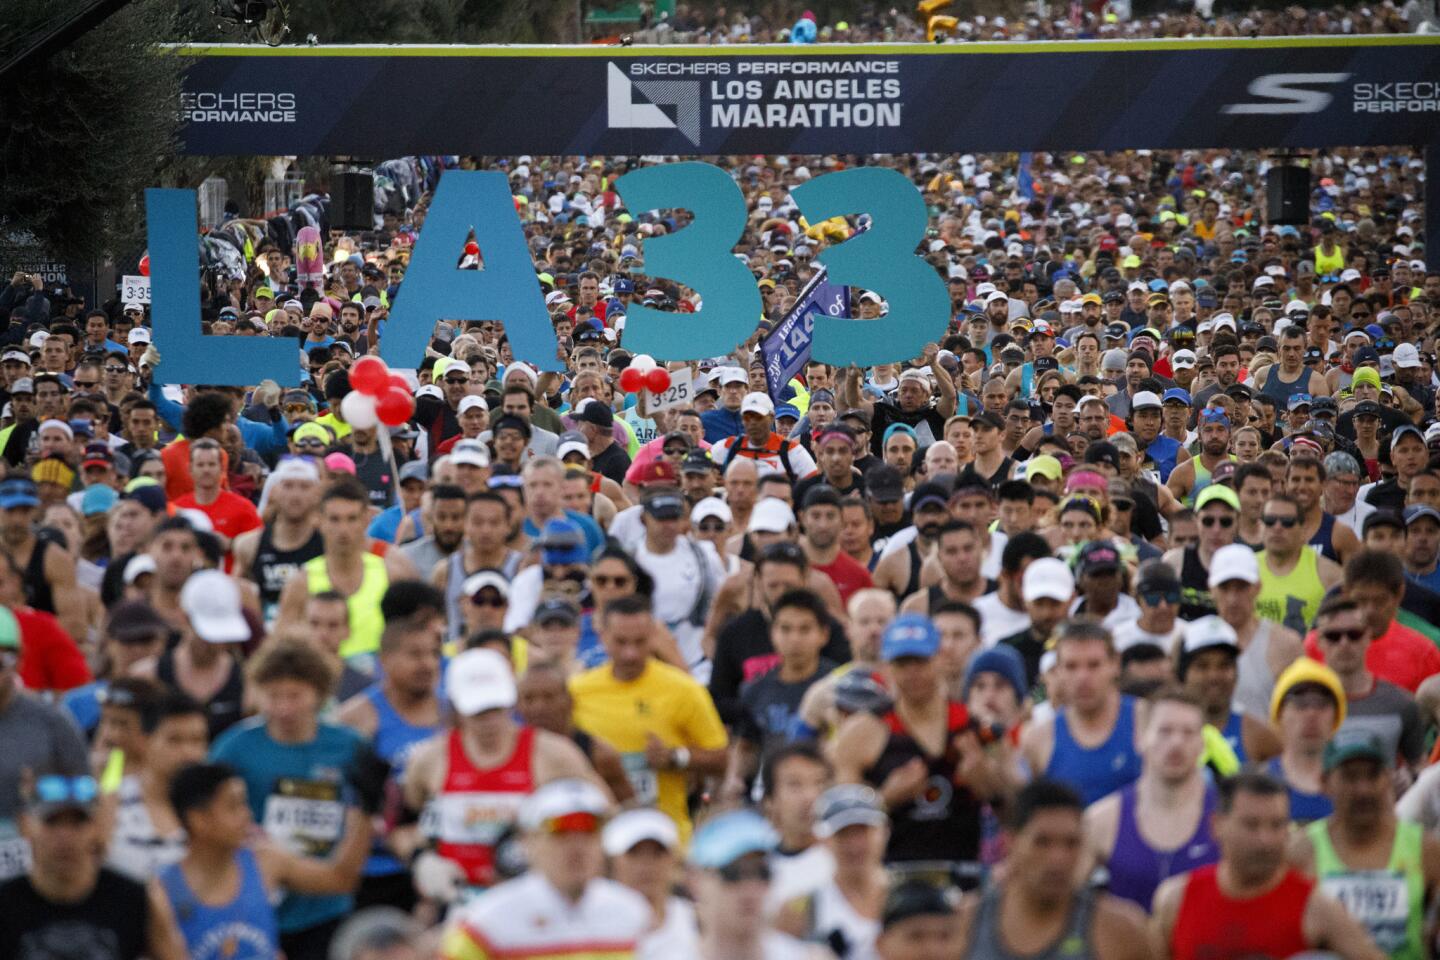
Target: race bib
[305,817]
[1378,899]
[14,851]
[473,819]
[642,778]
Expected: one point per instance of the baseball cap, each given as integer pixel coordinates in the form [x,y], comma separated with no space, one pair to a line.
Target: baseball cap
[211,601]
[486,580]
[149,495]
[139,335]
[929,494]
[726,375]
[1207,633]
[1403,431]
[1144,400]
[697,461]
[1355,743]
[915,898]
[711,507]
[1220,492]
[722,840]
[414,470]
[1047,577]
[634,827]
[559,799]
[1382,518]
[1420,511]
[98,498]
[18,492]
[848,805]
[1043,466]
[1366,408]
[883,484]
[771,515]
[665,504]
[1233,561]
[470,453]
[22,385]
[594,412]
[556,610]
[479,680]
[1176,395]
[657,472]
[756,402]
[909,635]
[472,402]
[562,541]
[510,422]
[1298,400]
[1406,356]
[572,442]
[1097,556]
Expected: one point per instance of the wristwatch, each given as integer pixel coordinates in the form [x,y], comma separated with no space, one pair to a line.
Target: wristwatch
[680,758]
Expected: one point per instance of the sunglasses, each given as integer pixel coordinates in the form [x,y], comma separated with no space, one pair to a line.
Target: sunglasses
[311,442]
[1286,522]
[713,526]
[677,451]
[1123,505]
[117,369]
[59,789]
[1347,636]
[494,601]
[1153,598]
[1225,523]
[619,582]
[742,870]
[460,380]
[571,823]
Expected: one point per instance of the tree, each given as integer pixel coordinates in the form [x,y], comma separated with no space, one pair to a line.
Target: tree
[82,134]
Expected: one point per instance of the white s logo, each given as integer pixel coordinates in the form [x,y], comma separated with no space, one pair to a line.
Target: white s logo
[1284,93]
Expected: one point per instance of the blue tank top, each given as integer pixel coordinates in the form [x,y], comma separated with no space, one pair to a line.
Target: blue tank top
[1100,771]
[1234,734]
[394,738]
[1137,869]
[1304,807]
[1163,450]
[1324,539]
[243,929]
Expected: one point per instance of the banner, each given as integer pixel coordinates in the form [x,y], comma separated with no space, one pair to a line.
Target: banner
[1274,92]
[787,347]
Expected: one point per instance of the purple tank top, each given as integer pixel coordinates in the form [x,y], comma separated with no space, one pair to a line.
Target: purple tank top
[1136,869]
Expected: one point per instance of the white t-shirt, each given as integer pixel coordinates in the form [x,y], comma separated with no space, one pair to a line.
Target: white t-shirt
[679,582]
[998,621]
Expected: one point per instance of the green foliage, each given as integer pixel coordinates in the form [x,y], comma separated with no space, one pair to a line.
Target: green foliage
[83,133]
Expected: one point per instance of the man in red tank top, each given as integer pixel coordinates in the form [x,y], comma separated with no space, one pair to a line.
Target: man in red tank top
[1252,904]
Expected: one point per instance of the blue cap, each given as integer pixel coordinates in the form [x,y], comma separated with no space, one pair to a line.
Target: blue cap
[1176,393]
[18,492]
[624,286]
[722,840]
[909,635]
[1375,330]
[1001,659]
[1239,256]
[787,410]
[97,499]
[1159,286]
[563,542]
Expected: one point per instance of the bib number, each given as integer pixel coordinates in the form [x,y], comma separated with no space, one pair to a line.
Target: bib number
[305,816]
[1378,899]
[642,779]
[14,852]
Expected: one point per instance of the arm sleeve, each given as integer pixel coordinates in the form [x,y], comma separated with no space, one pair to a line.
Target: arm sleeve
[264,438]
[170,411]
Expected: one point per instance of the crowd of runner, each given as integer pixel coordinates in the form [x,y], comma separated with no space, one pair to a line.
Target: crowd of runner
[1105,627]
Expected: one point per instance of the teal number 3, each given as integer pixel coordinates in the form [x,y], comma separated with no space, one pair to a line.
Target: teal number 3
[881,259]
[699,256]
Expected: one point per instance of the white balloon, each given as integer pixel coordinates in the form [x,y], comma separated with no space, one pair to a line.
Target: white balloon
[359,410]
[642,362]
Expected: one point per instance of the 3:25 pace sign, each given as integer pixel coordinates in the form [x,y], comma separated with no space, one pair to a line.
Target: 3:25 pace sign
[699,256]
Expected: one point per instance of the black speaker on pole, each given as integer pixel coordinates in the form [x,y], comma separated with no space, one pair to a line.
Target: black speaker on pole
[352,201]
[1287,195]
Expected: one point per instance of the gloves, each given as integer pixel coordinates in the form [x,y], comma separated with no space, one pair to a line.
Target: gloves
[366,775]
[436,877]
[151,357]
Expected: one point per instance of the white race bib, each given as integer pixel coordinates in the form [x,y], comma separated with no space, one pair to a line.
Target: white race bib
[305,817]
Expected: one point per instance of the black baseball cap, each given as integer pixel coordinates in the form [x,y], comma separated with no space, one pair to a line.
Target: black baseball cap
[915,898]
[883,483]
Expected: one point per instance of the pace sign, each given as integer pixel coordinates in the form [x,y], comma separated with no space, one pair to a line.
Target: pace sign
[881,258]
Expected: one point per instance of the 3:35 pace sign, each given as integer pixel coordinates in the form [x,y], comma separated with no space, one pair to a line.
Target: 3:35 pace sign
[699,256]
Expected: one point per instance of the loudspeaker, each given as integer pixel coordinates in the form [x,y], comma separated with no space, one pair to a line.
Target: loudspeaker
[352,201]
[1287,195]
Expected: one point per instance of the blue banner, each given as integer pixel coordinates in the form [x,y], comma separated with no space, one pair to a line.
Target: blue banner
[787,347]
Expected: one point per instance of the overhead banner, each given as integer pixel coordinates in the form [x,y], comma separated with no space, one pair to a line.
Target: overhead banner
[863,98]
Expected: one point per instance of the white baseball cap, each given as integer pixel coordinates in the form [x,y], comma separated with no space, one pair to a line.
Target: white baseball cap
[472,402]
[139,335]
[726,375]
[757,402]
[1049,578]
[470,453]
[1144,400]
[211,601]
[560,798]
[1183,359]
[1406,356]
[1233,562]
[771,515]
[485,578]
[1209,631]
[634,827]
[480,680]
[713,507]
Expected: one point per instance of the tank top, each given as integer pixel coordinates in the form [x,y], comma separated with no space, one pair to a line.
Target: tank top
[476,807]
[1196,600]
[837,925]
[366,621]
[912,584]
[394,738]
[273,566]
[1328,263]
[1268,925]
[37,586]
[1099,771]
[1254,680]
[225,709]
[455,577]
[1305,807]
[1389,903]
[243,929]
[109,924]
[1324,539]
[1294,598]
[1202,479]
[943,823]
[987,942]
[1234,734]
[136,848]
[1281,390]
[1137,869]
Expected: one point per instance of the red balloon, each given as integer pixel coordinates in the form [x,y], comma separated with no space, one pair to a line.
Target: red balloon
[632,380]
[657,380]
[145,265]
[370,376]
[472,248]
[394,406]
[398,382]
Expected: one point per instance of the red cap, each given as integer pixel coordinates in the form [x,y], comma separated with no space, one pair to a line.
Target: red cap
[658,472]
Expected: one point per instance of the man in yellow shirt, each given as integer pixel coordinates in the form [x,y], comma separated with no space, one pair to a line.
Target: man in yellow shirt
[663,723]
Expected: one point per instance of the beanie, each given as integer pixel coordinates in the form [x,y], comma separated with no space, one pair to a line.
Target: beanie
[1305,670]
[1002,659]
